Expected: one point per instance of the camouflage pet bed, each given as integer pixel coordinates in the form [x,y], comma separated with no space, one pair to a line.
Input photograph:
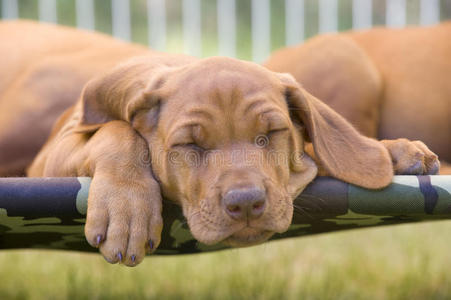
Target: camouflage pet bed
[49,212]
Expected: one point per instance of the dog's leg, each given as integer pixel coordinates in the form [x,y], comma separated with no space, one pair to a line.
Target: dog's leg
[412,157]
[124,205]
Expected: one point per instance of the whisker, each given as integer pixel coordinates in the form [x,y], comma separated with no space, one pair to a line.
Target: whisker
[319,203]
[185,221]
[302,211]
[178,227]
[313,197]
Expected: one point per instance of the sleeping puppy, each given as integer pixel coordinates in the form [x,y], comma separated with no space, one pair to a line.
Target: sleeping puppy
[230,141]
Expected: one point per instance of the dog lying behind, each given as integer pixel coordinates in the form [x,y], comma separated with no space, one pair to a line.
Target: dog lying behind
[224,138]
[389,83]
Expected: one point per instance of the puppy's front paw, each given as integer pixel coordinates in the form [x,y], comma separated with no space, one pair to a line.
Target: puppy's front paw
[124,219]
[412,157]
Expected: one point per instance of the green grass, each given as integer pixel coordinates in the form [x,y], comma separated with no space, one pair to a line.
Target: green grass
[400,262]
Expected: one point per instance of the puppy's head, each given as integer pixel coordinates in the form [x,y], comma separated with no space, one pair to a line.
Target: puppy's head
[227,141]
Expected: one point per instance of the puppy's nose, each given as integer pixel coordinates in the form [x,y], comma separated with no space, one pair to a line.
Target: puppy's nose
[245,203]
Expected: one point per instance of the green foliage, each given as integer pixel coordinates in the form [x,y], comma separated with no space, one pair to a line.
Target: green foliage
[400,262]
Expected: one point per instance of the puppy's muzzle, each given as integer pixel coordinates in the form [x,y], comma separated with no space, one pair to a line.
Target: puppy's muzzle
[245,204]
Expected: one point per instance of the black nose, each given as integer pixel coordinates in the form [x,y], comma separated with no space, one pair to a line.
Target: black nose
[245,203]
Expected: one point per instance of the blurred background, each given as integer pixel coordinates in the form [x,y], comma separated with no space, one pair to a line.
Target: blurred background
[398,262]
[247,29]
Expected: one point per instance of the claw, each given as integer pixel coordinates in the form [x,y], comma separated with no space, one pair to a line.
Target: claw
[98,240]
[435,169]
[417,168]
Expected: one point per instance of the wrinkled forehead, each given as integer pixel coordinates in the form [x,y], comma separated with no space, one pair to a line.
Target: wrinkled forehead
[223,86]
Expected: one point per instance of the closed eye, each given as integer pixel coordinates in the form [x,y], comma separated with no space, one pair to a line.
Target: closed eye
[277,131]
[188,146]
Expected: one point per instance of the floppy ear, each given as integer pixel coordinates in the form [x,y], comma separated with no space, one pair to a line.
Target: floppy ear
[119,94]
[342,151]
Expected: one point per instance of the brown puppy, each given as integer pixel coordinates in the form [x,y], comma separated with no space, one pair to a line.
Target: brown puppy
[389,83]
[223,138]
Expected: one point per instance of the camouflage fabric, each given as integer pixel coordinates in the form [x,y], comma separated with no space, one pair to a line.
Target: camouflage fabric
[49,212]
